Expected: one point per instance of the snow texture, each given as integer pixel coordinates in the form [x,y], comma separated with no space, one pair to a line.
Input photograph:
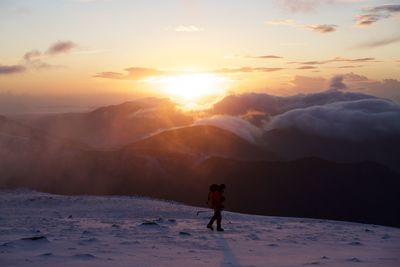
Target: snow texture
[38,229]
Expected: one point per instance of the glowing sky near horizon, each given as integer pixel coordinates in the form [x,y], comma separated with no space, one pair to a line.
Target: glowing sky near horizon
[72,47]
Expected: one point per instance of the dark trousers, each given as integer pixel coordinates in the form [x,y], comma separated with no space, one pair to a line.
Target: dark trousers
[217,217]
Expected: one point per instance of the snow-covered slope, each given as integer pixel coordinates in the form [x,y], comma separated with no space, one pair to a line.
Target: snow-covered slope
[38,229]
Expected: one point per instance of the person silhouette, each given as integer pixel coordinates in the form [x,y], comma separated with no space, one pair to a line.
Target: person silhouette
[215,199]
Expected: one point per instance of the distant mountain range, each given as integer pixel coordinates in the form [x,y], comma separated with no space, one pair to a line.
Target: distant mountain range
[151,148]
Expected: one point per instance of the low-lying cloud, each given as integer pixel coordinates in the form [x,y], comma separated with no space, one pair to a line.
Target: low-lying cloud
[356,120]
[273,105]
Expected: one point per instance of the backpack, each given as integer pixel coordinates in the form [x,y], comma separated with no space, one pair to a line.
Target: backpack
[211,195]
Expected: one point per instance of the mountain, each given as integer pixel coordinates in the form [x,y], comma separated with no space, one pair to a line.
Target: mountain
[112,126]
[180,164]
[203,141]
[292,144]
[316,177]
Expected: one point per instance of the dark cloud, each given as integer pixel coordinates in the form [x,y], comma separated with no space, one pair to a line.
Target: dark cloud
[323,28]
[374,14]
[134,73]
[11,69]
[247,70]
[61,47]
[378,43]
[336,83]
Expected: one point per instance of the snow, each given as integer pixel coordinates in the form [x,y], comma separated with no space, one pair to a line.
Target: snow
[38,229]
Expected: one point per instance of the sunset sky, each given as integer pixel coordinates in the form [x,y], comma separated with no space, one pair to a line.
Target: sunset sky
[138,48]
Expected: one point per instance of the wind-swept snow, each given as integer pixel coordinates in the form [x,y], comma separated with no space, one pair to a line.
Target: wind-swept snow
[38,229]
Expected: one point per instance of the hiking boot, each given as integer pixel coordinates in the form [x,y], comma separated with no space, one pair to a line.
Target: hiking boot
[210,227]
[220,229]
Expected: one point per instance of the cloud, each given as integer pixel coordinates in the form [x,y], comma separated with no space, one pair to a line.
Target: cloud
[134,73]
[139,73]
[285,22]
[252,57]
[320,28]
[272,105]
[61,47]
[374,14]
[307,68]
[33,59]
[239,126]
[336,60]
[11,69]
[350,66]
[336,83]
[263,57]
[303,5]
[356,120]
[188,28]
[323,28]
[247,70]
[388,88]
[379,43]
[32,55]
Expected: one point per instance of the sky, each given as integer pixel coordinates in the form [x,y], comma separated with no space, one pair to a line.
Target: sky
[117,49]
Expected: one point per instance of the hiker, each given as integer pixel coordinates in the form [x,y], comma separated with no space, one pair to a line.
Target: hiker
[215,200]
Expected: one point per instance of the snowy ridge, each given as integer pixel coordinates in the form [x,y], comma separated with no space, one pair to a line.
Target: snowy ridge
[38,229]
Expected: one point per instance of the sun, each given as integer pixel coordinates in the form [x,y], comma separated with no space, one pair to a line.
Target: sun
[193,87]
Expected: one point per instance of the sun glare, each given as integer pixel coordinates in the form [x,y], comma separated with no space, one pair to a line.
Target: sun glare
[194,87]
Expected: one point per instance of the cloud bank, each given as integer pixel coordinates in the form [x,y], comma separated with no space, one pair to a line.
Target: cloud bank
[357,120]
